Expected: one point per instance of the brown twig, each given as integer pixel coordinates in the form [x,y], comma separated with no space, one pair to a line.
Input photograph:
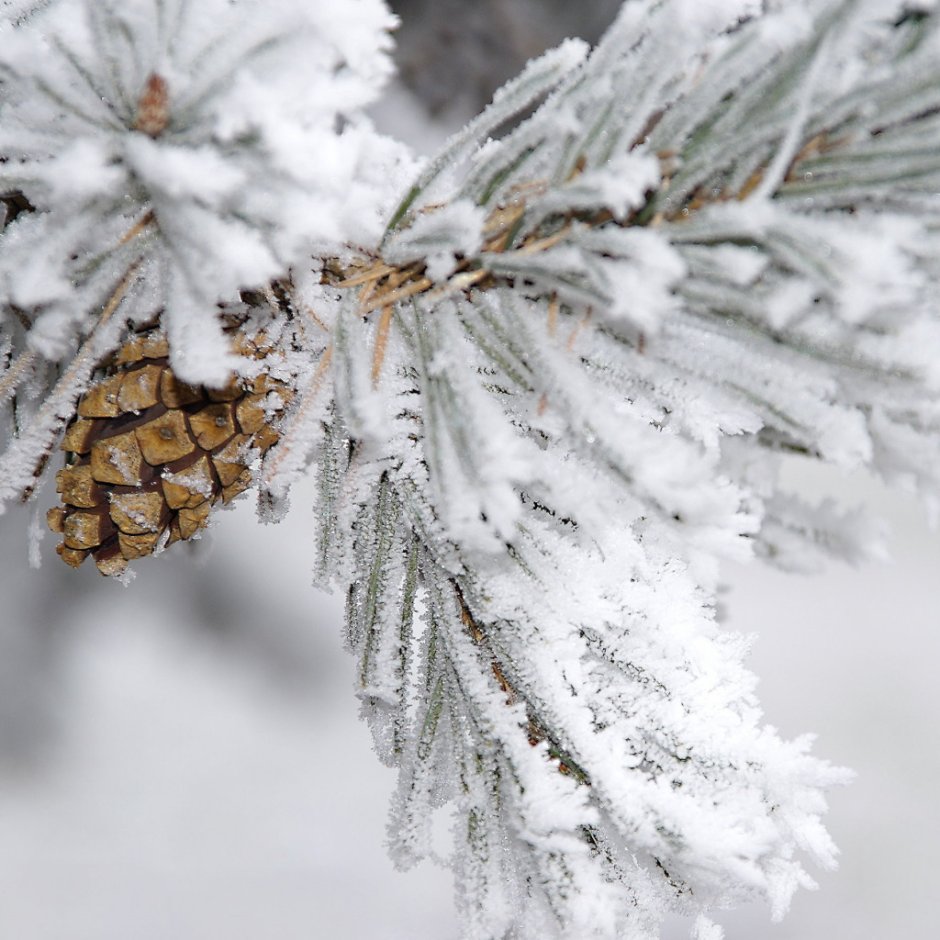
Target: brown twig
[138,227]
[381,342]
[537,733]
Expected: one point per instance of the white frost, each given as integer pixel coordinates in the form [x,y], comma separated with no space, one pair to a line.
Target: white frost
[257,167]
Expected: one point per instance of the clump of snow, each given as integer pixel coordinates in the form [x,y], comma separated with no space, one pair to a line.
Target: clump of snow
[252,168]
[705,929]
[438,237]
[711,16]
[620,186]
[642,270]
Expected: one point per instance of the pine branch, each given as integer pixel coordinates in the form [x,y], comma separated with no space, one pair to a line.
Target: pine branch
[162,135]
[552,395]
[624,326]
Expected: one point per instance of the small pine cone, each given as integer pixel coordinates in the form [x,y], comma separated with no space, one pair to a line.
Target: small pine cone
[147,457]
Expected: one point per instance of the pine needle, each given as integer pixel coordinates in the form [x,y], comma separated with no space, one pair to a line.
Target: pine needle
[52,415]
[554,308]
[372,273]
[137,228]
[296,430]
[17,373]
[390,298]
[381,342]
[576,331]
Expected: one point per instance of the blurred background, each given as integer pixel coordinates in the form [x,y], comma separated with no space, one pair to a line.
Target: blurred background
[182,758]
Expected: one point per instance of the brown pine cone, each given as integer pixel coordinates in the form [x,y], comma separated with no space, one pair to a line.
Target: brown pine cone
[147,457]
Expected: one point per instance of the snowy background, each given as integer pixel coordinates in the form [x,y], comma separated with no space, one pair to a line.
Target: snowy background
[183,759]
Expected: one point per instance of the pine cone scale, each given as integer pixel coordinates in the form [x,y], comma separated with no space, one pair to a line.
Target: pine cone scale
[118,460]
[140,513]
[149,456]
[140,389]
[165,438]
[137,546]
[78,487]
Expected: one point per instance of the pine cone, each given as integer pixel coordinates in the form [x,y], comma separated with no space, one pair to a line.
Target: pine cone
[147,457]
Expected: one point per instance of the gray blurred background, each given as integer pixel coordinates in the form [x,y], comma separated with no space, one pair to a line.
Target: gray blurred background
[182,758]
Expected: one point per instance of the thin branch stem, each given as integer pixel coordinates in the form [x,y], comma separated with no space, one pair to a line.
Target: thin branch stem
[536,730]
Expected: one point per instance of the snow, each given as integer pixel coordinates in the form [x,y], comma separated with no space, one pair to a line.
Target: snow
[710,16]
[706,929]
[641,291]
[620,186]
[83,171]
[550,660]
[190,795]
[184,173]
[251,173]
[439,236]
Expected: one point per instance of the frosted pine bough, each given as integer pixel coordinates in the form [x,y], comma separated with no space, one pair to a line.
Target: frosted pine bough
[541,407]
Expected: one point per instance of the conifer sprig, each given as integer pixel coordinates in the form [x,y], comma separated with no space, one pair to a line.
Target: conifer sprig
[641,314]
[545,402]
[163,137]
